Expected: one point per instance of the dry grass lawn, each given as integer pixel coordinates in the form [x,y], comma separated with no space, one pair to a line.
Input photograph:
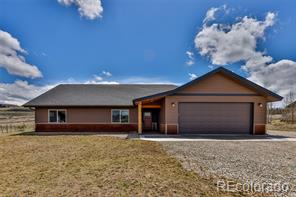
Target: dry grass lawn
[16,119]
[278,125]
[92,166]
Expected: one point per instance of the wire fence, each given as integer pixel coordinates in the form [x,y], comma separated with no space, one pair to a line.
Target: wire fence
[16,127]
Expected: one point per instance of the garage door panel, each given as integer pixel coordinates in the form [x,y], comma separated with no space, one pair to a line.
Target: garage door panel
[215,118]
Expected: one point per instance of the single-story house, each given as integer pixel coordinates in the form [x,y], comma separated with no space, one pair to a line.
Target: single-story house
[219,102]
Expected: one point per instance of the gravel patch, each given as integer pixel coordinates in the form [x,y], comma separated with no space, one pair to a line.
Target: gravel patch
[283,133]
[263,162]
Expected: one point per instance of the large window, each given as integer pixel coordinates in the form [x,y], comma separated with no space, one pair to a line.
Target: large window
[120,116]
[57,115]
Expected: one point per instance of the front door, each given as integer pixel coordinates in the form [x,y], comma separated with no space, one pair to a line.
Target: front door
[147,121]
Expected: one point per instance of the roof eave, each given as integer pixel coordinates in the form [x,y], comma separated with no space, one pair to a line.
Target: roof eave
[130,105]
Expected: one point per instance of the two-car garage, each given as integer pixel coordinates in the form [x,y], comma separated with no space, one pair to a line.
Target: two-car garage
[219,102]
[215,118]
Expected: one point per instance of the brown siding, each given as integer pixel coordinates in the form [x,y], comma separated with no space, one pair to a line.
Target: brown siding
[162,112]
[86,127]
[260,129]
[85,115]
[162,128]
[172,129]
[217,83]
[41,115]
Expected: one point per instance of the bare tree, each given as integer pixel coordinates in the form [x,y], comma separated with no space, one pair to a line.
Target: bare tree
[269,112]
[290,105]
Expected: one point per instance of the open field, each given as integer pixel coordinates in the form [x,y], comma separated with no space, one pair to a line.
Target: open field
[91,166]
[16,119]
[278,125]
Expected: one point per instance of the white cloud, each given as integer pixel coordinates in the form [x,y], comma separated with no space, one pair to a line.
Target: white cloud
[20,92]
[145,80]
[210,15]
[12,61]
[211,67]
[90,9]
[100,82]
[106,73]
[190,62]
[192,76]
[190,56]
[225,44]
[279,76]
[98,78]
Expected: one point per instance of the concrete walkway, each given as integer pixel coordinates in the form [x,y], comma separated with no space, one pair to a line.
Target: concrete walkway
[224,138]
[219,140]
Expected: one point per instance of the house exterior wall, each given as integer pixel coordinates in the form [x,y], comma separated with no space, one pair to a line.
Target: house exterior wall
[162,119]
[218,83]
[86,119]
[86,115]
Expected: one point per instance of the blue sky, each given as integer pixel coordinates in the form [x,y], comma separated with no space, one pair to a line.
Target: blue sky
[135,40]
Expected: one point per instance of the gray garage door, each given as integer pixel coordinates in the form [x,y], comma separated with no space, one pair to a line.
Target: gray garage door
[215,118]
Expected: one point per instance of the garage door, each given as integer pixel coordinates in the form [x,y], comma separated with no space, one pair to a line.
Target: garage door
[215,118]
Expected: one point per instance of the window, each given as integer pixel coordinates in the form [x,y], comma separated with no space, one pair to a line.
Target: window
[124,116]
[57,115]
[116,116]
[120,115]
[61,116]
[52,116]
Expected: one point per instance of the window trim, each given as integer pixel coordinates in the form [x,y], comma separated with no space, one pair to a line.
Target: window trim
[57,111]
[128,120]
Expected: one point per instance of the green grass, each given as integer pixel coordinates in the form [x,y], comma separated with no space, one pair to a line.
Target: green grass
[92,166]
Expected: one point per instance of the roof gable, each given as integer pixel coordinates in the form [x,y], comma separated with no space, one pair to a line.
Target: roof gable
[271,96]
[218,84]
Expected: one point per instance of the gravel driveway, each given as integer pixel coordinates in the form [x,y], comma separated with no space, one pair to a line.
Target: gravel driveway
[243,161]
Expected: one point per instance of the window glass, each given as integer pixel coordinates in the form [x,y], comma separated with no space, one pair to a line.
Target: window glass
[124,116]
[115,115]
[61,116]
[52,116]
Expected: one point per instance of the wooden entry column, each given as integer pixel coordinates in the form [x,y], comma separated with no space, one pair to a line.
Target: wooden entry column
[140,117]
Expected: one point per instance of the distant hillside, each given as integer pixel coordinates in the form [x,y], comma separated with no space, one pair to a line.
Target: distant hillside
[2,105]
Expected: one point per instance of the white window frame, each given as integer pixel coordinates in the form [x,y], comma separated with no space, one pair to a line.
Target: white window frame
[57,111]
[128,120]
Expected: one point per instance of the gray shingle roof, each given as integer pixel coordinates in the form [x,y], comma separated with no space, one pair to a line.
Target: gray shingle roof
[96,94]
